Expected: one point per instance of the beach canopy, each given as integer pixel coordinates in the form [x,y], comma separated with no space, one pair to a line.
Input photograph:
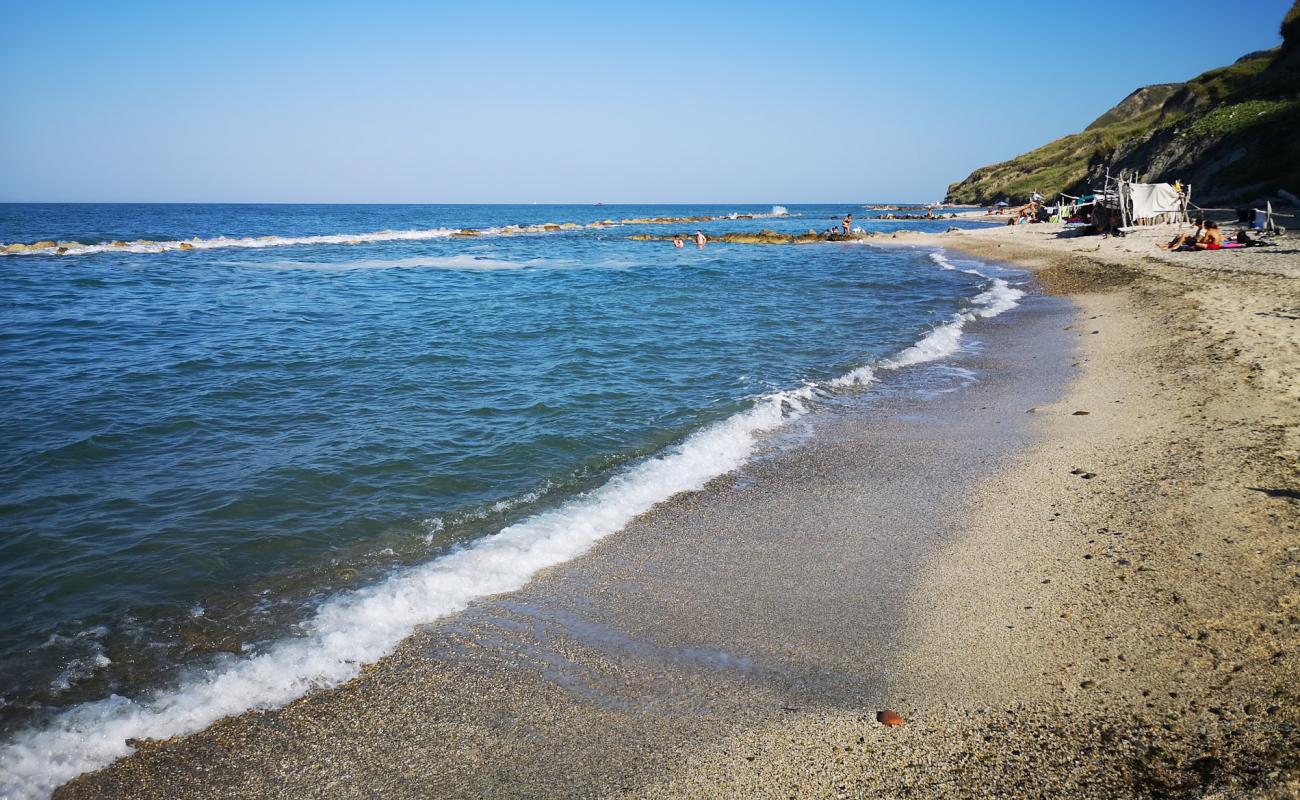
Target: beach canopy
[1152,199]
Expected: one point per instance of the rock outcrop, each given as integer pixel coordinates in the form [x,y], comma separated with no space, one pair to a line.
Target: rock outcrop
[1230,133]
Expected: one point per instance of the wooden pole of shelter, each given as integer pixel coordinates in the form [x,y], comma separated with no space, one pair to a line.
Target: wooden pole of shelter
[1122,186]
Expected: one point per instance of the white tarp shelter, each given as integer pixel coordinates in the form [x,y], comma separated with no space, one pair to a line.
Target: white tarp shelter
[1153,199]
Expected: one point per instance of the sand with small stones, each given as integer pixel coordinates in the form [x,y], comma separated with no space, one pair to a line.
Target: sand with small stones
[1121,615]
[1083,583]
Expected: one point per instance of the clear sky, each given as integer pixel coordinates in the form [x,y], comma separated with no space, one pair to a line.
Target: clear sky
[569,102]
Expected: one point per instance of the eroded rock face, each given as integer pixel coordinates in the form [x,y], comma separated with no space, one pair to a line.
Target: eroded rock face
[1229,133]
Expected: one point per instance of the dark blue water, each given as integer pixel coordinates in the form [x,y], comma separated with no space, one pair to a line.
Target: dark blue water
[202,445]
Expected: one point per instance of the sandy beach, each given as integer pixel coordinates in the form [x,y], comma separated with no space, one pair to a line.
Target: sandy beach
[1119,615]
[1075,575]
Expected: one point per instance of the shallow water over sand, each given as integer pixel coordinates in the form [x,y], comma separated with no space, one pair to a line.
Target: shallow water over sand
[213,449]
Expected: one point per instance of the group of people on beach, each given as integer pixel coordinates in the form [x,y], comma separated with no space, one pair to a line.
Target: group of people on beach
[843,229]
[1207,236]
[1030,212]
[700,240]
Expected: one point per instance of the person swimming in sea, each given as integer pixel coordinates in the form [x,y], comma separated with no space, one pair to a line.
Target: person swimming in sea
[677,241]
[701,239]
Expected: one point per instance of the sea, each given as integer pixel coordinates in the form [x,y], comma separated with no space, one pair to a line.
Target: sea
[246,449]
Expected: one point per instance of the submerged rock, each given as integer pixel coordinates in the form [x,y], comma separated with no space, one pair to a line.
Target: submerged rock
[764,236]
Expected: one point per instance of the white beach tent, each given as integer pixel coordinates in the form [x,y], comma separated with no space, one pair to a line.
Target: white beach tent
[1151,201]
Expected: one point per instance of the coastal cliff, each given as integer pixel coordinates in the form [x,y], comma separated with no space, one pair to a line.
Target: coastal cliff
[1229,132]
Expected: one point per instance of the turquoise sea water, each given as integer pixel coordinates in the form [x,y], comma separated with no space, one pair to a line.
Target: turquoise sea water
[211,452]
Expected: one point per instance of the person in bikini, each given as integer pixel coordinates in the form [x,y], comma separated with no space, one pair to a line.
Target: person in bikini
[848,223]
[1185,240]
[1213,239]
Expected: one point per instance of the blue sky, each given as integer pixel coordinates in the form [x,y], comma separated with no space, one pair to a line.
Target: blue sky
[569,102]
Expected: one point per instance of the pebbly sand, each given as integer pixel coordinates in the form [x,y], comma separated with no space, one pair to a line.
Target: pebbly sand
[1058,603]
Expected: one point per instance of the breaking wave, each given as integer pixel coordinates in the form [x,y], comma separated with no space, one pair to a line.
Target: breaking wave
[75,248]
[148,246]
[361,626]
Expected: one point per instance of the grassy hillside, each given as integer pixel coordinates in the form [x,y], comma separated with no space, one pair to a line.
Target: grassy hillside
[1062,164]
[1229,132]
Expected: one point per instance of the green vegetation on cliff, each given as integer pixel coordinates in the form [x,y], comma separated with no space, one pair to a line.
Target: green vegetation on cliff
[1230,132]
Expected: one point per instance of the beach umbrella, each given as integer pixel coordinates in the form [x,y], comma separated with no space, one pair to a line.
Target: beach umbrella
[1001,203]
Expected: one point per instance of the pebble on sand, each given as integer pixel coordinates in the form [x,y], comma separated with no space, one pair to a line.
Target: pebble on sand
[889,718]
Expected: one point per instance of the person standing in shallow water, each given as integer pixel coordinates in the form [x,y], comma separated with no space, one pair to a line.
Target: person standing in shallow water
[677,241]
[848,223]
[701,239]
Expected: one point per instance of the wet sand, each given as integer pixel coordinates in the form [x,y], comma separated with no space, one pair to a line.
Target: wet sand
[1091,604]
[1120,614]
[774,592]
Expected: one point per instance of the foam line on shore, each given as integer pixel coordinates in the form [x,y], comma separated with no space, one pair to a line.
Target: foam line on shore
[945,339]
[361,626]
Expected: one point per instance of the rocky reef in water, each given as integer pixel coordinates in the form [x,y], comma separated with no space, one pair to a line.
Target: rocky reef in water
[764,236]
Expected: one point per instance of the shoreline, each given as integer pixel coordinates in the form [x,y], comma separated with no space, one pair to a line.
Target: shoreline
[647,638]
[1149,661]
[1119,617]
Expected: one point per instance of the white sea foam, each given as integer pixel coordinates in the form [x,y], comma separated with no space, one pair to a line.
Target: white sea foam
[148,246]
[939,258]
[361,626]
[945,339]
[862,376]
[70,248]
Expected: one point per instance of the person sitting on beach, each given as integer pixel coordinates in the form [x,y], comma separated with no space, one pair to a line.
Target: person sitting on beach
[701,239]
[1213,239]
[1185,240]
[848,223]
[677,241]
